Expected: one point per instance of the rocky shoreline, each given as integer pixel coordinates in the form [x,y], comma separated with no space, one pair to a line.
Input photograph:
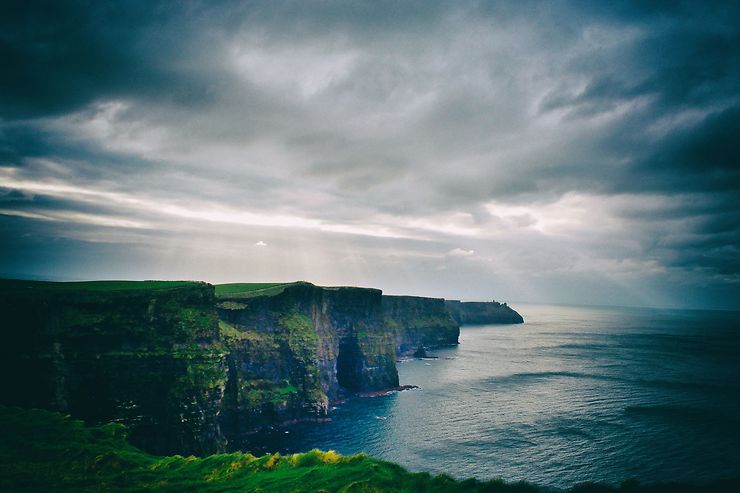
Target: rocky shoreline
[388,391]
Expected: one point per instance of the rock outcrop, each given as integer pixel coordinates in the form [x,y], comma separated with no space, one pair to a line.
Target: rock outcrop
[485,312]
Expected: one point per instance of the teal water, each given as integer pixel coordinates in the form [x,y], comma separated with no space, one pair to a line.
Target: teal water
[575,394]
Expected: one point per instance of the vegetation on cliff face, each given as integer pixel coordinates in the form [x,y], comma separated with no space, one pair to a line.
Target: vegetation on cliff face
[273,374]
[146,354]
[309,342]
[301,336]
[44,451]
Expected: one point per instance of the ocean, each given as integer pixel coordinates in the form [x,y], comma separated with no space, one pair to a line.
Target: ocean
[575,394]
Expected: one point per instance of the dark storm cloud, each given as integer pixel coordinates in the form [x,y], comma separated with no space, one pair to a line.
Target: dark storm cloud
[598,138]
[706,156]
[65,55]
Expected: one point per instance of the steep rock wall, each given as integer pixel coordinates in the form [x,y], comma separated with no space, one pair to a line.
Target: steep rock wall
[487,312]
[418,324]
[146,356]
[188,372]
[293,352]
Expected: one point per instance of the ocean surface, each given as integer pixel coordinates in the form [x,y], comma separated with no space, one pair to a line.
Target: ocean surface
[575,394]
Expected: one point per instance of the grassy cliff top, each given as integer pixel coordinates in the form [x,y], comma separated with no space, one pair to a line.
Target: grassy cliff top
[96,286]
[252,289]
[243,290]
[44,451]
[230,290]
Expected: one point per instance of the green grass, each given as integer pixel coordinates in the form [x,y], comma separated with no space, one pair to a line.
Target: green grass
[98,286]
[258,392]
[231,305]
[251,289]
[43,451]
[243,287]
[301,336]
[231,334]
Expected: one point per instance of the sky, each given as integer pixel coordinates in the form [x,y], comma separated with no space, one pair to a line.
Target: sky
[553,152]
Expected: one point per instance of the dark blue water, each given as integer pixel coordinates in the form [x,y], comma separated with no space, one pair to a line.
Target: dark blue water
[575,394]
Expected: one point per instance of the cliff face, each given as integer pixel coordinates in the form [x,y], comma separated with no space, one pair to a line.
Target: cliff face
[189,372]
[419,323]
[293,352]
[145,355]
[474,312]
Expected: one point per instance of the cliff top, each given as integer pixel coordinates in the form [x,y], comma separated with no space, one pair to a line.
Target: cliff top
[97,286]
[412,297]
[242,290]
[253,289]
[491,302]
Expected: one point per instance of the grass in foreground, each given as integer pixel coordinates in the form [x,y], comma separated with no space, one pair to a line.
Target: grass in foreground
[44,451]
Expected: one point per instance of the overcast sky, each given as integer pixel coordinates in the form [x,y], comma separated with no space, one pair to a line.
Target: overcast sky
[570,152]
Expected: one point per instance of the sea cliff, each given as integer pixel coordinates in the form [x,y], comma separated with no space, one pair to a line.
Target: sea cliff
[293,350]
[482,312]
[419,324]
[191,369]
[145,354]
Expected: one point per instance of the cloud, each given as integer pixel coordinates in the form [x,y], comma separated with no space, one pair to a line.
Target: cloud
[459,252]
[557,141]
[260,244]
